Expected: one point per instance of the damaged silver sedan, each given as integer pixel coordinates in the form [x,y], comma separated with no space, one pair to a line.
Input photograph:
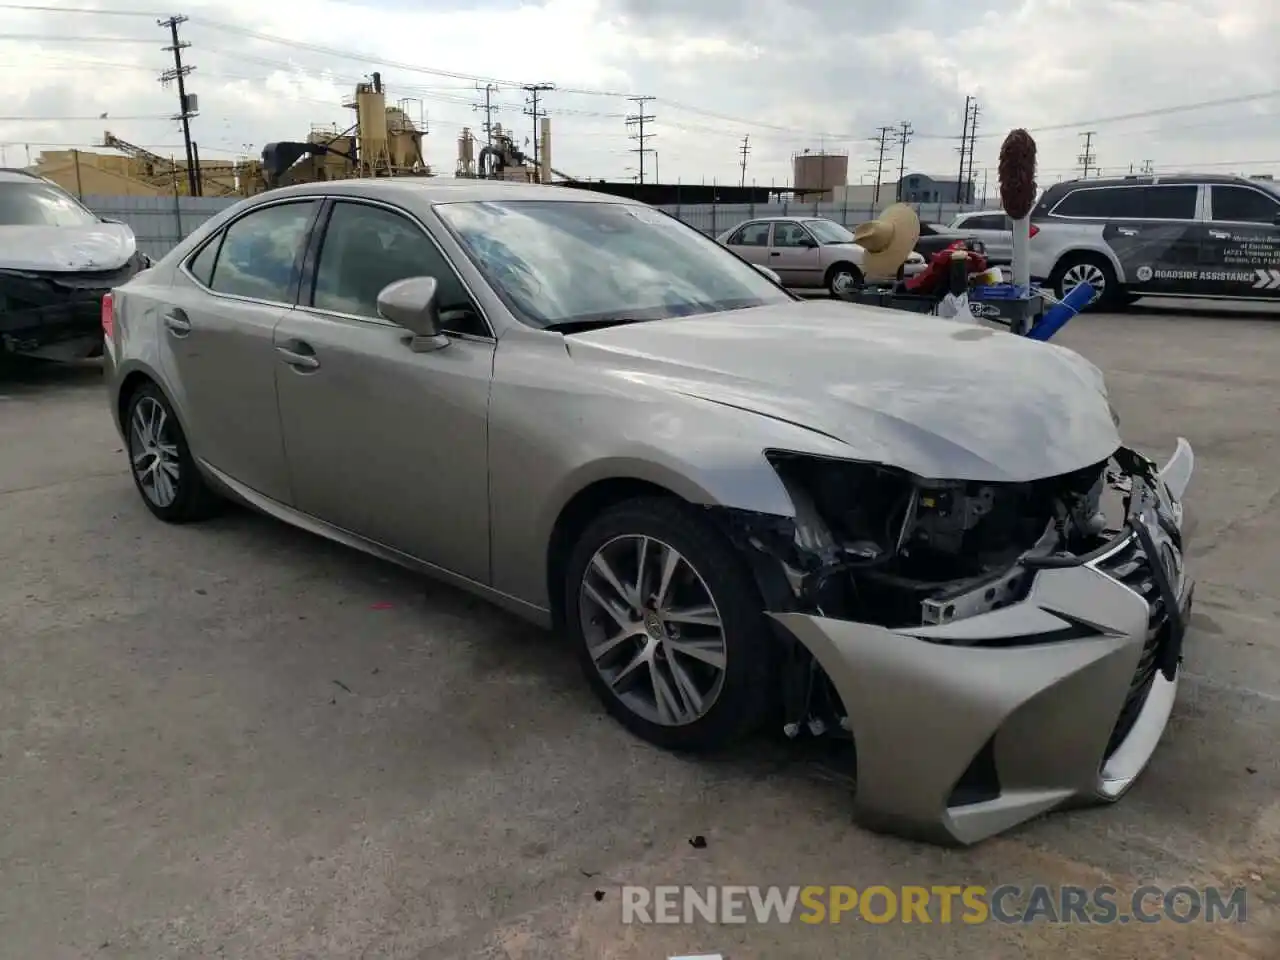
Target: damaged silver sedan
[742,507]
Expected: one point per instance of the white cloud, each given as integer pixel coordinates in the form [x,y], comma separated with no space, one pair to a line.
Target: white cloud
[795,68]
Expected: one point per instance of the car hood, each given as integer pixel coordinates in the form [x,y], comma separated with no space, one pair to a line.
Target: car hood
[99,246]
[939,398]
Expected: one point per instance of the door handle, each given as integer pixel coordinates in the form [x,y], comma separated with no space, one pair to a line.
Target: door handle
[1125,232]
[177,323]
[775,253]
[1219,235]
[298,359]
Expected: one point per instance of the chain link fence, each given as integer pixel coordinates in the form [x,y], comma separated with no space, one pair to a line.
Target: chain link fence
[160,223]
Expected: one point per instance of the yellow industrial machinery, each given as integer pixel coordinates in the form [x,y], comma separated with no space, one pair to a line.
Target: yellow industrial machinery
[383,142]
[242,178]
[503,160]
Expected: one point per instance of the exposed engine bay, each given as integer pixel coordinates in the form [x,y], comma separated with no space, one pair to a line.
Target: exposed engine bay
[875,545]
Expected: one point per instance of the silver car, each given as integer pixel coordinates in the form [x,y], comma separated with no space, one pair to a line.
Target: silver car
[993,228]
[740,506]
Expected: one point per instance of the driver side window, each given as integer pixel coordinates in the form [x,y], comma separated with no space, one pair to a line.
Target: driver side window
[790,235]
[365,248]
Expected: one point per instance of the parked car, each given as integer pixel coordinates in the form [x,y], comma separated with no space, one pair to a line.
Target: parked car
[736,503]
[806,252]
[993,228]
[1190,235]
[57,259]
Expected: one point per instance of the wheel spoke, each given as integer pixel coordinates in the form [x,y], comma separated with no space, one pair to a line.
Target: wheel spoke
[685,687]
[670,561]
[703,616]
[642,657]
[710,651]
[602,650]
[602,567]
[670,709]
[642,559]
[618,616]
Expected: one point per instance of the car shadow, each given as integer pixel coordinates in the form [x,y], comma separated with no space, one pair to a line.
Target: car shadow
[20,376]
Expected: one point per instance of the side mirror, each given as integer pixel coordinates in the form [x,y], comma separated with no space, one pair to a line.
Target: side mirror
[411,303]
[110,220]
[769,273]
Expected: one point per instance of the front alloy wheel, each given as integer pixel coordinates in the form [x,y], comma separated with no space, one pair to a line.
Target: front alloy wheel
[669,625]
[653,630]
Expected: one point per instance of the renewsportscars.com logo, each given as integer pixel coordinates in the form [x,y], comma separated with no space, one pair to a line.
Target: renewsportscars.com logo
[1005,904]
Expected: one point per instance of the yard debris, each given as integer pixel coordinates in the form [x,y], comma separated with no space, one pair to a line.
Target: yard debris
[345,687]
[698,842]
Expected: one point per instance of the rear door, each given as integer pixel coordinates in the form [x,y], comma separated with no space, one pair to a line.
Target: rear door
[1241,250]
[382,441]
[216,341]
[751,242]
[794,255]
[1156,235]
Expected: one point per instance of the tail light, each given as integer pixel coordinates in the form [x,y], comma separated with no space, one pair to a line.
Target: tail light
[108,315]
[1034,230]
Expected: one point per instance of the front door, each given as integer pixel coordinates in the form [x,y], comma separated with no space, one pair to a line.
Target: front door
[1241,251]
[216,335]
[382,441]
[794,256]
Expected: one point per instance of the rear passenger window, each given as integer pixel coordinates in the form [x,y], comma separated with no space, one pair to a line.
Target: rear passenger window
[1243,205]
[201,265]
[261,252]
[366,248]
[1101,203]
[985,222]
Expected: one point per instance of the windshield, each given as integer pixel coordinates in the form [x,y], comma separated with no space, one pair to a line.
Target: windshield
[556,261]
[828,231]
[40,205]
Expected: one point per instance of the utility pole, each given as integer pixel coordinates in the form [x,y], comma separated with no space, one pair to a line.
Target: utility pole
[902,137]
[984,187]
[1088,159]
[882,138]
[973,142]
[964,145]
[186,106]
[639,119]
[488,108]
[1147,168]
[744,150]
[533,89]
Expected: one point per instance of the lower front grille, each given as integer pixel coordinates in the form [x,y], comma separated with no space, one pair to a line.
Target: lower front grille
[1131,566]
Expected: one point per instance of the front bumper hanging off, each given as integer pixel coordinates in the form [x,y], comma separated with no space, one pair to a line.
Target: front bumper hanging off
[965,729]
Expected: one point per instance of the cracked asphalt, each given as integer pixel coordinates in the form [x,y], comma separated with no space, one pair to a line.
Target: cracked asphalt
[238,740]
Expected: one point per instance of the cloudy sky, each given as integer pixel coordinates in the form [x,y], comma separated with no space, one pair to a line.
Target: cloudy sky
[788,74]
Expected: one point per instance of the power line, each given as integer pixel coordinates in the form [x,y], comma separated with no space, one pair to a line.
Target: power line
[533,89]
[973,140]
[70,38]
[99,117]
[1087,157]
[882,138]
[902,136]
[745,149]
[186,104]
[639,119]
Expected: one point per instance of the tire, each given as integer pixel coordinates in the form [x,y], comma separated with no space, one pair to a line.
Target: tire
[157,448]
[1075,266]
[731,702]
[843,277]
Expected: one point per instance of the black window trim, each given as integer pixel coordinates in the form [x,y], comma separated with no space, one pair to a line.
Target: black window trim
[794,222]
[219,236]
[1214,218]
[768,236]
[1194,218]
[311,259]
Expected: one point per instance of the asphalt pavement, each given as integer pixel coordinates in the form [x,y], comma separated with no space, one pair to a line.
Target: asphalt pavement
[238,740]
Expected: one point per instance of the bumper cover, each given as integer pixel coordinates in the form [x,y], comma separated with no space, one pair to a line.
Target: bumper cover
[966,729]
[43,310]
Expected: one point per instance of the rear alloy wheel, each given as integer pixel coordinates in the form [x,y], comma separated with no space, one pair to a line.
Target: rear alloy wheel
[1091,269]
[843,279]
[160,461]
[669,626]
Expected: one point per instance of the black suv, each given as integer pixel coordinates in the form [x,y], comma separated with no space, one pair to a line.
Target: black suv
[1186,235]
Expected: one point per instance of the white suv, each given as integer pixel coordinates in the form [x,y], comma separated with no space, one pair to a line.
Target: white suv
[1187,235]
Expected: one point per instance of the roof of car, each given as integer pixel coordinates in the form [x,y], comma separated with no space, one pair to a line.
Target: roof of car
[1147,179]
[445,190]
[16,174]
